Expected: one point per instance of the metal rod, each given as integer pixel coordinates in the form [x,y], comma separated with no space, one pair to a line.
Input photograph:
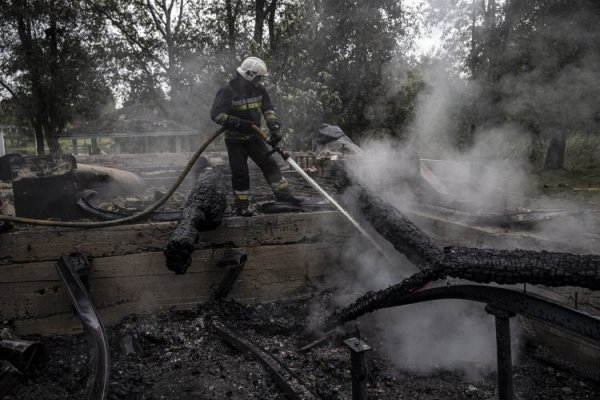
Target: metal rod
[358,348]
[503,352]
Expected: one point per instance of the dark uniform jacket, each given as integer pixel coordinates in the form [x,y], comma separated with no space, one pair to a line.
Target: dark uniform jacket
[241,100]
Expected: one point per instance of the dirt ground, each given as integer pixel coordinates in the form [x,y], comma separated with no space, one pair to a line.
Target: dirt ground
[182,358]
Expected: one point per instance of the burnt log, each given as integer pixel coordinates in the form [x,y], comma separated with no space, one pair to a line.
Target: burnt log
[373,301]
[405,236]
[523,266]
[477,265]
[203,211]
[480,265]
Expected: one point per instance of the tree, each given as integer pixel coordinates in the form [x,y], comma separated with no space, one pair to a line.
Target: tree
[50,65]
[535,61]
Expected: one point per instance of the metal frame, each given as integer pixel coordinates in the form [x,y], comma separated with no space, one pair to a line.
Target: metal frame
[504,304]
[99,357]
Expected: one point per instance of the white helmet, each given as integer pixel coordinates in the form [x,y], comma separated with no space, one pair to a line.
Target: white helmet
[252,67]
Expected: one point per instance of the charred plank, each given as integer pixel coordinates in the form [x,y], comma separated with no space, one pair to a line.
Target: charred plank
[292,387]
[477,265]
[233,262]
[405,236]
[523,266]
[203,211]
[373,301]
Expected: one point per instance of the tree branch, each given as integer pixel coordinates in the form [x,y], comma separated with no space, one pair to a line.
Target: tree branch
[156,18]
[180,18]
[8,88]
[129,36]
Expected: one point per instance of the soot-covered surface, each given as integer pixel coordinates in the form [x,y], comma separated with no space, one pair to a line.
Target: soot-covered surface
[182,358]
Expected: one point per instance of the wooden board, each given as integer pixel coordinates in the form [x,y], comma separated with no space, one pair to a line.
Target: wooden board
[46,244]
[32,296]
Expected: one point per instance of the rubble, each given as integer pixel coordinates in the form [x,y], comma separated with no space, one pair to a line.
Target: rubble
[182,358]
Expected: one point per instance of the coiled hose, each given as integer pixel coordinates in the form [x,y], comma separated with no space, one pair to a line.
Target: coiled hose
[128,219]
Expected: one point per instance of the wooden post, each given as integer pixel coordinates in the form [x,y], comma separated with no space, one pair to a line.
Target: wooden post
[178,146]
[75,147]
[94,149]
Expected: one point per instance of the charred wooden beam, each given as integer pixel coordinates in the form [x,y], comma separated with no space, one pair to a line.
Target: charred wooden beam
[523,266]
[373,301]
[480,265]
[477,265]
[405,236]
[203,211]
[232,262]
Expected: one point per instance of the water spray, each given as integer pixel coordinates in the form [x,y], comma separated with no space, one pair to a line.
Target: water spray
[286,157]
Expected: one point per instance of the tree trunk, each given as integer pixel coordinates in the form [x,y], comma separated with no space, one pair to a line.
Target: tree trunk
[52,140]
[39,137]
[231,17]
[555,156]
[271,22]
[259,21]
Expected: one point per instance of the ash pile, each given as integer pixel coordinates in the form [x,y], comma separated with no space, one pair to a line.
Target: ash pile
[180,355]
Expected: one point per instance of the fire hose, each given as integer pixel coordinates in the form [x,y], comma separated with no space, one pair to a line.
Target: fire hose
[142,214]
[131,218]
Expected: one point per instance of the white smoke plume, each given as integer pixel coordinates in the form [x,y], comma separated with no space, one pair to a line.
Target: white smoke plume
[450,335]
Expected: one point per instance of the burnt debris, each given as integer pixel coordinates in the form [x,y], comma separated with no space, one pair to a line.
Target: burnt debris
[477,265]
[292,387]
[45,177]
[232,262]
[203,211]
[481,265]
[372,301]
[522,266]
[98,352]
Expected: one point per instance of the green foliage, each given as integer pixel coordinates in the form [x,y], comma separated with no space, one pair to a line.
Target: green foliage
[537,63]
[49,65]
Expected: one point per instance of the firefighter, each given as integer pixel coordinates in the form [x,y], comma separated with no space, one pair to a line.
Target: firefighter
[239,107]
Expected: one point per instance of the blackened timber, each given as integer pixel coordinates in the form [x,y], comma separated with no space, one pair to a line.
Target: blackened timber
[523,266]
[405,236]
[291,386]
[480,265]
[233,262]
[203,211]
[373,301]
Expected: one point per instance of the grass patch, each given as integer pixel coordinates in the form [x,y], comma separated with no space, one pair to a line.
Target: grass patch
[584,178]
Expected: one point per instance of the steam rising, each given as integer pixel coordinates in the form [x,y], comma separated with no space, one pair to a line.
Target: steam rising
[487,172]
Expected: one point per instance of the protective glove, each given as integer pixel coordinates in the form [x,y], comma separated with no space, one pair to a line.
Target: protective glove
[240,125]
[275,136]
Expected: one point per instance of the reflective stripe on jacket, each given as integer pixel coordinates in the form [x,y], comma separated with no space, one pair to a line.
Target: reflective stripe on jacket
[241,99]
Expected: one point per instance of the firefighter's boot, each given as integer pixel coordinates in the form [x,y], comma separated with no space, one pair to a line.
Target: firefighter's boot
[284,194]
[242,205]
